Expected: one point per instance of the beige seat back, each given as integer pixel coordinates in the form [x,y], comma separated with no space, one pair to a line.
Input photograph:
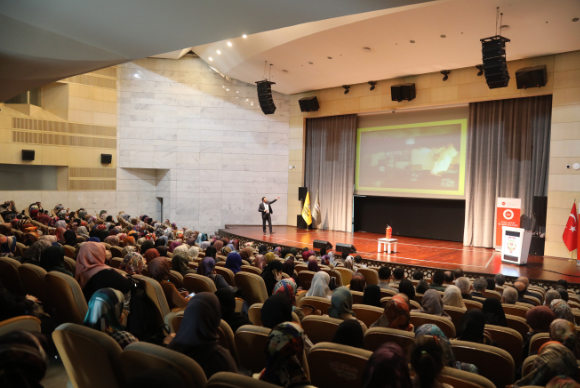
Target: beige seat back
[337,276]
[473,304]
[537,341]
[69,251]
[251,269]
[300,267]
[117,252]
[376,336]
[319,303]
[173,320]
[445,324]
[176,278]
[116,262]
[357,296]
[198,283]
[332,365]
[509,340]
[534,300]
[228,275]
[253,287]
[155,293]
[66,297]
[255,315]
[385,293]
[70,264]
[461,379]
[320,328]
[305,279]
[456,314]
[32,280]
[91,358]
[24,322]
[576,314]
[519,324]
[367,314]
[414,305]
[251,343]
[141,356]
[492,294]
[517,310]
[9,275]
[371,275]
[528,365]
[226,339]
[493,363]
[20,249]
[234,380]
[345,274]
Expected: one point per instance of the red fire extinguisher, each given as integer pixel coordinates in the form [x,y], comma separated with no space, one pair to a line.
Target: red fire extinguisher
[389,231]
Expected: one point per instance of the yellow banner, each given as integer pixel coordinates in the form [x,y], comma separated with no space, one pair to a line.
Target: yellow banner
[306,210]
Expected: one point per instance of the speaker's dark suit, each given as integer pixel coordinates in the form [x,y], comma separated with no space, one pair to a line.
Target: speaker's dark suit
[266,215]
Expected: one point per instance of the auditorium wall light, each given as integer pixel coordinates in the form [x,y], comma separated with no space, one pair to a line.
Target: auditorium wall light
[346,88]
[446,74]
[373,84]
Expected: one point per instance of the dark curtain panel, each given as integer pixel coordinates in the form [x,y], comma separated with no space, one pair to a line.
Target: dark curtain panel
[508,153]
[329,168]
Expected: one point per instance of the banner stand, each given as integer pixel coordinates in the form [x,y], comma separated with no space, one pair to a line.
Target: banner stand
[507,213]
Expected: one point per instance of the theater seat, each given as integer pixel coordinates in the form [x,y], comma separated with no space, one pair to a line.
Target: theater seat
[456,314]
[255,315]
[69,251]
[234,380]
[367,314]
[445,324]
[357,296]
[517,310]
[376,336]
[300,267]
[492,294]
[117,252]
[155,293]
[253,287]
[228,275]
[91,358]
[345,274]
[66,297]
[226,339]
[534,300]
[116,262]
[32,280]
[519,324]
[70,264]
[251,342]
[198,283]
[509,340]
[320,328]
[473,304]
[140,356]
[173,321]
[317,302]
[25,322]
[305,279]
[251,269]
[461,379]
[371,275]
[176,278]
[9,275]
[332,365]
[528,365]
[387,293]
[537,341]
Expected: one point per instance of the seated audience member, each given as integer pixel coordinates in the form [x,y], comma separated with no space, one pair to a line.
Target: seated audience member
[398,274]
[372,296]
[509,296]
[162,251]
[422,287]
[526,281]
[437,281]
[357,283]
[396,315]
[180,263]
[198,335]
[563,293]
[34,251]
[554,360]
[228,307]
[159,270]
[150,254]
[418,275]
[566,333]
[458,273]
[104,314]
[472,328]
[275,310]
[146,246]
[358,262]
[313,265]
[385,278]
[24,359]
[448,277]
[272,274]
[52,259]
[427,360]
[93,274]
[288,288]
[539,319]
[349,333]
[433,332]
[433,304]
[70,238]
[234,262]
[319,286]
[207,268]
[452,297]
[387,367]
[499,280]
[550,296]
[521,289]
[562,310]
[133,264]
[562,284]
[341,306]
[464,286]
[490,284]
[406,287]
[284,356]
[479,286]
[494,314]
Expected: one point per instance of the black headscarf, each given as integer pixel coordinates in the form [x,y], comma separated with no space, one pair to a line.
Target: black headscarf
[493,311]
[276,309]
[210,252]
[472,325]
[406,287]
[228,303]
[262,249]
[70,238]
[52,259]
[349,333]
[372,295]
[23,359]
[268,276]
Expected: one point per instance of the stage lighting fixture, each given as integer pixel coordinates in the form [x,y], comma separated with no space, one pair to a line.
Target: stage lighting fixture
[373,84]
[446,74]
[480,68]
[346,88]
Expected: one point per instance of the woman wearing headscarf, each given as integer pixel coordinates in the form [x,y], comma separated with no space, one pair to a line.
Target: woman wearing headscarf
[319,286]
[396,315]
[59,233]
[372,296]
[341,304]
[207,268]
[150,255]
[218,245]
[247,254]
[283,354]
[260,262]
[422,287]
[357,283]
[193,252]
[133,263]
[406,287]
[198,338]
[159,270]
[554,359]
[7,246]
[452,297]
[539,319]
[70,238]
[275,310]
[23,359]
[262,249]
[433,304]
[129,241]
[104,314]
[234,262]
[349,263]
[288,267]
[287,287]
[272,274]
[174,245]
[472,328]
[427,360]
[112,240]
[387,368]
[32,254]
[313,265]
[270,257]
[349,333]
[93,274]
[565,332]
[494,314]
[562,310]
[180,263]
[82,232]
[52,259]
[60,224]
[228,306]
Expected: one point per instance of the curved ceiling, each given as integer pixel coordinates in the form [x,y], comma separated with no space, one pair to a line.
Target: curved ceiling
[446,35]
[44,41]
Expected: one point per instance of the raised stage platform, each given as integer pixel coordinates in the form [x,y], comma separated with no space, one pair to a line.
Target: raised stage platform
[416,252]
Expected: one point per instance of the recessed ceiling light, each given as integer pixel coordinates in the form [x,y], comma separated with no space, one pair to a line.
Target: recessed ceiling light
[329,57]
[311,63]
[230,44]
[244,36]
[219,52]
[246,99]
[575,19]
[444,36]
[237,91]
[412,41]
[210,58]
[227,90]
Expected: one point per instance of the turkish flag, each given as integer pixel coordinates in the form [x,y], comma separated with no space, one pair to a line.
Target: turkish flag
[570,235]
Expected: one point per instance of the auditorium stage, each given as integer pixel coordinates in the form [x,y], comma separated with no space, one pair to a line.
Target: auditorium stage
[417,252]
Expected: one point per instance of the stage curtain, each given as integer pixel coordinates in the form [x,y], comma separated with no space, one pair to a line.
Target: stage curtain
[329,168]
[508,152]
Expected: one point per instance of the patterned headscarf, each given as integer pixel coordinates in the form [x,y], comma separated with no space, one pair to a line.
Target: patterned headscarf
[435,331]
[270,257]
[387,368]
[554,359]
[565,332]
[397,313]
[133,263]
[287,287]
[7,245]
[433,304]
[562,310]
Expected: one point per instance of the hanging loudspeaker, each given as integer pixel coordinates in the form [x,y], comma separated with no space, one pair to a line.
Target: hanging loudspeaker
[494,61]
[265,97]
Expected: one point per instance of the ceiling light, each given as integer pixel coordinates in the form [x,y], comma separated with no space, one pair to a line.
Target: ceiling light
[227,90]
[480,68]
[446,74]
[210,58]
[412,41]
[444,36]
[346,88]
[246,99]
[237,91]
[373,84]
[311,63]
[244,36]
[219,52]
[329,57]
[137,75]
[230,44]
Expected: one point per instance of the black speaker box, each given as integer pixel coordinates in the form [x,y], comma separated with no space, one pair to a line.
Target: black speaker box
[494,62]
[403,92]
[106,158]
[300,223]
[265,97]
[27,154]
[345,248]
[309,104]
[319,244]
[537,246]
[302,191]
[532,77]
[540,209]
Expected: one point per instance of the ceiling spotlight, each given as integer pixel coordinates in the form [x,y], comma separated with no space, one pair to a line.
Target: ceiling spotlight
[311,63]
[444,36]
[346,88]
[446,74]
[230,44]
[412,41]
[210,58]
[372,83]
[244,36]
[329,57]
[219,52]
[480,68]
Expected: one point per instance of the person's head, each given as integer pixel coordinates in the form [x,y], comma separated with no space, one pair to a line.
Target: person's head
[463,284]
[284,353]
[448,275]
[372,295]
[358,259]
[387,367]
[479,285]
[499,279]
[275,310]
[563,283]
[524,280]
[133,263]
[146,246]
[563,294]
[471,327]
[539,319]
[490,284]
[427,360]
[210,252]
[438,278]
[418,275]
[264,199]
[159,242]
[180,262]
[384,273]
[159,269]
[23,361]
[457,273]
[565,332]
[349,333]
[107,304]
[357,283]
[510,295]
[422,287]
[493,311]
[399,274]
[550,296]
[520,288]
[406,287]
[452,297]
[206,266]
[344,255]
[341,303]
[562,310]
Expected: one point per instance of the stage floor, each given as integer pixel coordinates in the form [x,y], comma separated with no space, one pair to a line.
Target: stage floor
[422,252]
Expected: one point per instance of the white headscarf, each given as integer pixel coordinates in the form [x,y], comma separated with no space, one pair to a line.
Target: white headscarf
[452,297]
[319,286]
[193,252]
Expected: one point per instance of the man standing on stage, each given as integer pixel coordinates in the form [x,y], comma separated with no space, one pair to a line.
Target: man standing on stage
[266,210]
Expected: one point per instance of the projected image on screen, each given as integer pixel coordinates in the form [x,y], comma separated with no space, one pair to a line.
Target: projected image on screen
[427,158]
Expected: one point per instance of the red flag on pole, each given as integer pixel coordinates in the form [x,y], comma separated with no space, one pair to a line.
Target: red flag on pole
[570,235]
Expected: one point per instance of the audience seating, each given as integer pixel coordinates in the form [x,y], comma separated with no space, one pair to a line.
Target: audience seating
[334,365]
[69,251]
[493,363]
[20,249]
[419,298]
[253,287]
[70,264]
[445,324]
[305,279]
[345,274]
[371,275]
[576,316]
[317,302]
[337,276]
[234,380]
[535,301]
[250,343]
[387,293]
[517,310]
[173,320]
[456,314]
[376,336]
[300,267]
[140,356]
[32,280]
[117,252]
[198,283]
[492,294]
[473,304]
[255,315]
[91,358]
[357,297]
[519,324]
[320,328]
[462,379]
[226,339]
[573,304]
[24,322]
[228,275]
[509,340]
[251,269]
[66,297]
[499,289]
[537,341]
[367,314]
[9,275]
[155,293]
[116,262]
[176,278]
